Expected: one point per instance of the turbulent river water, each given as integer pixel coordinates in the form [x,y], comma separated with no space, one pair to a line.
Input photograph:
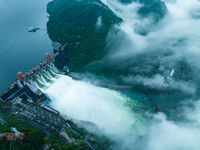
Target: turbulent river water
[128,118]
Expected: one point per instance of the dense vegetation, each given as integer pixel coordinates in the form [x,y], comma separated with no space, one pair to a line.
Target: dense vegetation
[101,143]
[78,134]
[5,108]
[144,66]
[33,140]
[59,145]
[85,25]
[76,21]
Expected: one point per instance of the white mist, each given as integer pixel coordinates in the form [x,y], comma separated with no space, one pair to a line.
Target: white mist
[108,109]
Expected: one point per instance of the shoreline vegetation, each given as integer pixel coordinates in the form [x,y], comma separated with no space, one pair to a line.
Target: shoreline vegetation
[85,26]
[33,136]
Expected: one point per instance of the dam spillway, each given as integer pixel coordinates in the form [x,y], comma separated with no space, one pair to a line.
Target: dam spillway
[32,81]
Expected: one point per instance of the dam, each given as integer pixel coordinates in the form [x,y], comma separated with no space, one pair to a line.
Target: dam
[28,84]
[32,84]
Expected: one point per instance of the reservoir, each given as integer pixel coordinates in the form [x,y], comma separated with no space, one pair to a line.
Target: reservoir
[21,50]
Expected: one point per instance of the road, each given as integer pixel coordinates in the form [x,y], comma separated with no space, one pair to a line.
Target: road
[65,135]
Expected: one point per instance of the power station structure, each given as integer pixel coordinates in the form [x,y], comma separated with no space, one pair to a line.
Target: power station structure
[28,84]
[40,74]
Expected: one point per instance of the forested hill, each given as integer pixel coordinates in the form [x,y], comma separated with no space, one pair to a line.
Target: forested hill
[84,25]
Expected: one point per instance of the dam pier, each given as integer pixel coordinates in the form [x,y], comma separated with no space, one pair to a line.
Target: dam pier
[25,95]
[28,84]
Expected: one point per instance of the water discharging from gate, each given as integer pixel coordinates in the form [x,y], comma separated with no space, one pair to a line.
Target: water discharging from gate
[108,109]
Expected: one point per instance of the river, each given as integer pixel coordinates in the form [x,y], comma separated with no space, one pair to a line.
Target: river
[129,118]
[20,49]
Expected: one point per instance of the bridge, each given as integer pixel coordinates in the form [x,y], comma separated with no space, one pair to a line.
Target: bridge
[156,106]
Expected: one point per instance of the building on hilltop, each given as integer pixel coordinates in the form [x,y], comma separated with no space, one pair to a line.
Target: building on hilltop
[57,46]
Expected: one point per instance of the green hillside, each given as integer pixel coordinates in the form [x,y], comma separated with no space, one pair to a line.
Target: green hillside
[85,25]
[33,136]
[76,21]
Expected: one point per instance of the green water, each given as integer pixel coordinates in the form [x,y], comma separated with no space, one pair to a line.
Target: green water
[45,77]
[130,119]
[51,73]
[39,84]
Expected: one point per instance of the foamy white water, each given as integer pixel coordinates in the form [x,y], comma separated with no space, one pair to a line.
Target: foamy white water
[111,111]
[108,109]
[114,113]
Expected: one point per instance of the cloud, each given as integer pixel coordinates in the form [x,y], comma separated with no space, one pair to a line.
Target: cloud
[99,22]
[155,81]
[177,32]
[165,134]
[126,119]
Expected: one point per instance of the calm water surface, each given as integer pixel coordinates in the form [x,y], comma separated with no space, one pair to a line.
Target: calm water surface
[21,50]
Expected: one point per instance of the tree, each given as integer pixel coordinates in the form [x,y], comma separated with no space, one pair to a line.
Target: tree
[46,140]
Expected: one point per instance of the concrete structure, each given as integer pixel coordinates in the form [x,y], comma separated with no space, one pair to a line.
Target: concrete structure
[57,46]
[29,83]
[36,113]
[172,72]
